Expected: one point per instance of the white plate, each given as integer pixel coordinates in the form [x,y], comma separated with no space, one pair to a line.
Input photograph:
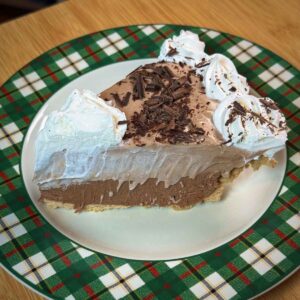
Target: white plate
[154,234]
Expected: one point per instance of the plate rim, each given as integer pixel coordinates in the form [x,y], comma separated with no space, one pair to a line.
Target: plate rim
[22,278]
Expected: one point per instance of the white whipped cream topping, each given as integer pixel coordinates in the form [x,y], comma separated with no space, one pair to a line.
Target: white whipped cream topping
[189,49]
[220,77]
[84,123]
[251,123]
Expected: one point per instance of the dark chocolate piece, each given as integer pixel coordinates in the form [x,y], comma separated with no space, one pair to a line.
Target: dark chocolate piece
[172,51]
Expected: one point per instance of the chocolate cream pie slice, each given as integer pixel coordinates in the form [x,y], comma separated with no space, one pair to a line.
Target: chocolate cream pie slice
[170,134]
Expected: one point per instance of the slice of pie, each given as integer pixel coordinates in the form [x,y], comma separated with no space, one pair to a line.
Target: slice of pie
[170,134]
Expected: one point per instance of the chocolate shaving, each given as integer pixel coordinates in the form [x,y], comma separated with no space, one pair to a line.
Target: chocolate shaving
[121,102]
[170,73]
[151,102]
[172,51]
[117,99]
[189,79]
[198,130]
[164,72]
[134,71]
[151,87]
[127,135]
[126,98]
[269,103]
[202,64]
[122,122]
[230,120]
[262,119]
[138,87]
[177,83]
[239,108]
[169,110]
[180,93]
[282,125]
[232,89]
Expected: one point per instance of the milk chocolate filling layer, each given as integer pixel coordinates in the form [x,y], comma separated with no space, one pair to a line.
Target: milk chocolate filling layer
[186,193]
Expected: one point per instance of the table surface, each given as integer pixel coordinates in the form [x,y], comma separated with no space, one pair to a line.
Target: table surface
[272,24]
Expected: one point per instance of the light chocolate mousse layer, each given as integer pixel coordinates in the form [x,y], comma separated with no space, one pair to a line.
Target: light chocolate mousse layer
[171,154]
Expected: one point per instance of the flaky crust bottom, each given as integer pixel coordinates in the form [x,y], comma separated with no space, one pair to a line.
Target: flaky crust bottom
[214,197]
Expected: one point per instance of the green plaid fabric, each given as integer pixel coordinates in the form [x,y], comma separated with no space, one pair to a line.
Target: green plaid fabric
[53,265]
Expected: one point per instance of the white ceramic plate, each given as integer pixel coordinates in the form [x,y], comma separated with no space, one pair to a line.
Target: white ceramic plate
[156,233]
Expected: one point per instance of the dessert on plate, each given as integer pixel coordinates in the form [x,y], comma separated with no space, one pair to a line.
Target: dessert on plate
[170,134]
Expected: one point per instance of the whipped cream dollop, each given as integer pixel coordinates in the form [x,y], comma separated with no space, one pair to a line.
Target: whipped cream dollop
[185,48]
[251,123]
[85,122]
[220,77]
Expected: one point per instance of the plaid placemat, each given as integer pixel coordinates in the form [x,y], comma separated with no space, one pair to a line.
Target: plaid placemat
[56,267]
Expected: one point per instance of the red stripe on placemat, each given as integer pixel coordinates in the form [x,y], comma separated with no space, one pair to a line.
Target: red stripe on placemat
[131,33]
[286,205]
[8,182]
[7,94]
[293,177]
[57,287]
[149,297]
[195,268]
[223,41]
[246,234]
[166,33]
[101,262]
[130,54]
[255,87]
[295,140]
[3,116]
[262,93]
[40,99]
[236,271]
[167,285]
[289,91]
[92,53]
[37,221]
[12,155]
[90,292]
[35,101]
[259,63]
[283,236]
[288,114]
[60,252]
[233,243]
[296,119]
[54,52]
[68,45]
[152,269]
[152,54]
[3,206]
[26,119]
[53,76]
[22,247]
